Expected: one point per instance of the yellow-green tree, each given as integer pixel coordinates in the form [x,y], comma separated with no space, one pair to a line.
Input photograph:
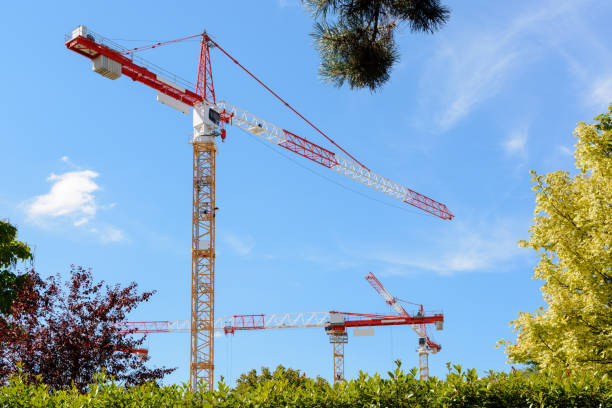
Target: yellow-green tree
[572,233]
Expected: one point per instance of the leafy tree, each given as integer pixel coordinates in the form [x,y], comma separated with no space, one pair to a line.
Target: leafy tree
[358,46]
[572,233]
[67,333]
[293,378]
[11,252]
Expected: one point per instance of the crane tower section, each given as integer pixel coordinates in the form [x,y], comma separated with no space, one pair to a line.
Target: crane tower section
[205,128]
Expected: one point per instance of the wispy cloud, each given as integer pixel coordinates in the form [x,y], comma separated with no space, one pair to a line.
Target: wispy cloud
[335,260]
[109,233]
[240,245]
[516,143]
[288,3]
[482,248]
[472,65]
[565,150]
[601,92]
[71,200]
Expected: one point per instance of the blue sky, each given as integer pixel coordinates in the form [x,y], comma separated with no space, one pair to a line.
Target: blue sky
[97,173]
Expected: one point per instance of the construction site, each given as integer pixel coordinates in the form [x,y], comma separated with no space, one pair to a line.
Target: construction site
[214,120]
[307,203]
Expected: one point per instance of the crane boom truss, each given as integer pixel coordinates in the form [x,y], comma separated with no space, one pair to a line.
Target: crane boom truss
[336,330]
[343,165]
[279,321]
[391,301]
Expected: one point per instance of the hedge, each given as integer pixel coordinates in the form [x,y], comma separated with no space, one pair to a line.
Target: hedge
[400,389]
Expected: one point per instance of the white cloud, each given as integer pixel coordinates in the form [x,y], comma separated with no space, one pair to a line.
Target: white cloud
[239,245]
[71,199]
[516,143]
[71,195]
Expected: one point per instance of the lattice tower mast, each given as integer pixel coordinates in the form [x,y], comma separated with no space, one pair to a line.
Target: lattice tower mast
[205,129]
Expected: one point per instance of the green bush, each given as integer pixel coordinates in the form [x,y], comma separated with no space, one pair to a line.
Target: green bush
[400,389]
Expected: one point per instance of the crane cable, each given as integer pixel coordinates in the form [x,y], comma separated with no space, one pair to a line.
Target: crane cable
[205,36]
[283,101]
[277,151]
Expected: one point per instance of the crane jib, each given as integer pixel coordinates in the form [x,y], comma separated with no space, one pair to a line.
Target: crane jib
[309,150]
[343,165]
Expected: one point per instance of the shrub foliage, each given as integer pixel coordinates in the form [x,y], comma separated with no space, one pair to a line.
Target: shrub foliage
[400,389]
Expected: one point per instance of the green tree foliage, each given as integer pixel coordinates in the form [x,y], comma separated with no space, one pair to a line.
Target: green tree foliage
[11,252]
[358,46]
[459,389]
[294,378]
[572,233]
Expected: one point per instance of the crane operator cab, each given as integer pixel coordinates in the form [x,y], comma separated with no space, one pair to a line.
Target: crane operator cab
[206,123]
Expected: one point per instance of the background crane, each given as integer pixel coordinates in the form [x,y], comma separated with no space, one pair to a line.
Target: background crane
[112,61]
[335,325]
[425,343]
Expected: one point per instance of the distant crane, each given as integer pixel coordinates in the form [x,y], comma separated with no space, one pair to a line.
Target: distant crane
[111,60]
[425,343]
[334,323]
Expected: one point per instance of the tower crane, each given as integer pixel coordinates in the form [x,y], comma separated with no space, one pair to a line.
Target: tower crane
[112,61]
[425,343]
[335,325]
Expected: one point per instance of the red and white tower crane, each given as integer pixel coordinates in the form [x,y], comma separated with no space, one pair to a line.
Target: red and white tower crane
[425,343]
[335,325]
[209,117]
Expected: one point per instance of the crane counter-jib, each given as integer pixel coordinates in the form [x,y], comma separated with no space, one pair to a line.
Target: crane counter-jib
[109,60]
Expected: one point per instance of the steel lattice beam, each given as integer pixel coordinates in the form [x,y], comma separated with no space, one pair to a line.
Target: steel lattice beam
[203,266]
[343,165]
